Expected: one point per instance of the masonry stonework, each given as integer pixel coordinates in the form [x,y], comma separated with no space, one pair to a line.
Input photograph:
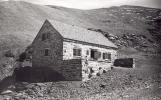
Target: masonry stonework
[68,50]
[96,66]
[60,53]
[71,69]
[54,44]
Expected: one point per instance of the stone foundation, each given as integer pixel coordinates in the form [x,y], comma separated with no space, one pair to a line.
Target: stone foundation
[78,70]
[70,69]
[67,70]
[93,68]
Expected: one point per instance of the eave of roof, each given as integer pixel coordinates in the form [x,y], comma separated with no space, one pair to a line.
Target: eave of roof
[86,43]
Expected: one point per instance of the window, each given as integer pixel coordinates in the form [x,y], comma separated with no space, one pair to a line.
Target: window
[46,53]
[76,52]
[107,56]
[95,54]
[92,53]
[45,36]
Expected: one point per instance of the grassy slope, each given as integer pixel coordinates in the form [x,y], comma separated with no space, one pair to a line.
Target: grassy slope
[118,20]
[125,20]
[21,21]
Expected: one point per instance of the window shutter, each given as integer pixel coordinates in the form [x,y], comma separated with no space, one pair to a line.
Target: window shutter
[103,55]
[97,55]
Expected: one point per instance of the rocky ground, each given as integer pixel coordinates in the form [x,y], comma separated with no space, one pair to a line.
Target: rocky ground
[113,85]
[140,83]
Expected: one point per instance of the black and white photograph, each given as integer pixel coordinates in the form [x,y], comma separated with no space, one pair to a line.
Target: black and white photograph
[80,49]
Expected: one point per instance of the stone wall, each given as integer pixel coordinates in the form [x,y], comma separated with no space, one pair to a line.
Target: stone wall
[68,51]
[68,70]
[93,68]
[125,62]
[96,65]
[54,44]
[72,69]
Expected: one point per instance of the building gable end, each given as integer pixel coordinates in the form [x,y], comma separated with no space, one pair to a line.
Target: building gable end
[49,26]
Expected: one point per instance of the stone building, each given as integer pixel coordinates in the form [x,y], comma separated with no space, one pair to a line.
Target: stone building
[73,51]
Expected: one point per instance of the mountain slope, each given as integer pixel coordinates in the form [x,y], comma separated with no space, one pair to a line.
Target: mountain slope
[129,26]
[22,21]
[133,26]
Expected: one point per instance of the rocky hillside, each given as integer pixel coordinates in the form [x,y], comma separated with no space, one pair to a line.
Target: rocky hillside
[136,27]
[128,26]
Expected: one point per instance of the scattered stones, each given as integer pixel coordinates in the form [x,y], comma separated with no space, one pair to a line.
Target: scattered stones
[6,92]
[102,85]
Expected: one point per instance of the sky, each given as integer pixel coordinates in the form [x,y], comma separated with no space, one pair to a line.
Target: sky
[93,4]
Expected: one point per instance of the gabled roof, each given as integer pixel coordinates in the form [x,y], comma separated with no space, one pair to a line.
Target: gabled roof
[81,34]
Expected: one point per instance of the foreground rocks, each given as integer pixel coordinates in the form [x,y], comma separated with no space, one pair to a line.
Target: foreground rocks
[117,84]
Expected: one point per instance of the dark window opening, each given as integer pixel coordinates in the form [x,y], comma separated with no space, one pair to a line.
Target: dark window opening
[46,52]
[76,52]
[95,54]
[92,53]
[45,36]
[107,56]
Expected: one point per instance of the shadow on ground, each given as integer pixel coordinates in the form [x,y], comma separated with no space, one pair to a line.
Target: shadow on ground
[31,75]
